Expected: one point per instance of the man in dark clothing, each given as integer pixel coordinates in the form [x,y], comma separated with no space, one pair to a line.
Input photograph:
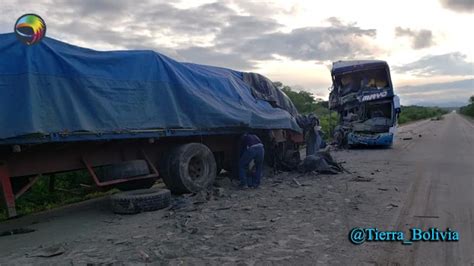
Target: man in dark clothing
[251,148]
[313,141]
[313,137]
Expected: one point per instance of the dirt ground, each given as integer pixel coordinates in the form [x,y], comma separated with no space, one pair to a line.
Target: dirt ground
[292,219]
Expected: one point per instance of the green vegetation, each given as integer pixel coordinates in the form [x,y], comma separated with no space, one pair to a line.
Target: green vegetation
[306,103]
[68,188]
[413,113]
[468,109]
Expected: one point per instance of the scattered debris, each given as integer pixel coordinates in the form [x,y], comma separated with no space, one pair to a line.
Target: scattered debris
[275,219]
[223,208]
[362,179]
[427,216]
[223,229]
[322,162]
[391,205]
[296,182]
[119,242]
[16,231]
[144,256]
[254,228]
[51,251]
[437,118]
[223,182]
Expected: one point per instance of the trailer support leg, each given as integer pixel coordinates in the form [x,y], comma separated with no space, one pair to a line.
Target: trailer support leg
[7,190]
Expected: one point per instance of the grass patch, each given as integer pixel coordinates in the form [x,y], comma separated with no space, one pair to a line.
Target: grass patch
[69,188]
[414,113]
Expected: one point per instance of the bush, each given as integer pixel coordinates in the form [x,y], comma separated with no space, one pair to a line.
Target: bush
[67,190]
[413,113]
[468,109]
[306,103]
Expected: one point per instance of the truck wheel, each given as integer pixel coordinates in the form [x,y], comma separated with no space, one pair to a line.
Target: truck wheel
[122,170]
[136,184]
[190,168]
[142,200]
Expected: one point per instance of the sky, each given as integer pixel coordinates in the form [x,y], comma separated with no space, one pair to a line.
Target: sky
[427,43]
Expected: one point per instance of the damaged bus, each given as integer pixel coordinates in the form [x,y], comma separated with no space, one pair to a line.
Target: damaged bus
[362,94]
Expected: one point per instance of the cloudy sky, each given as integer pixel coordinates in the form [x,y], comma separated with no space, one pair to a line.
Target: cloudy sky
[428,43]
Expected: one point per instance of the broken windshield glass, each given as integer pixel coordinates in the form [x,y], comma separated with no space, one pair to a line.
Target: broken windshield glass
[361,80]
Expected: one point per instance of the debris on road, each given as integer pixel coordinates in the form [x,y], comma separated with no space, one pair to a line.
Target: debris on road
[16,231]
[51,251]
[427,216]
[362,179]
[296,182]
[391,205]
[144,256]
[322,162]
[292,214]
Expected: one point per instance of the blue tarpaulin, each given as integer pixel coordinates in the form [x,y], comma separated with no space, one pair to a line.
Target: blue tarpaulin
[53,87]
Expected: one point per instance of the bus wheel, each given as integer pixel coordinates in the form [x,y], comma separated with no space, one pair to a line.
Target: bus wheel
[190,168]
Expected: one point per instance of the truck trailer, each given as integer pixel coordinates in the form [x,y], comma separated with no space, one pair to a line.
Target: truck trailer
[130,117]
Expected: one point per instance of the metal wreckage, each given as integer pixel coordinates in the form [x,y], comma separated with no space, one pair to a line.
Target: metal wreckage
[362,94]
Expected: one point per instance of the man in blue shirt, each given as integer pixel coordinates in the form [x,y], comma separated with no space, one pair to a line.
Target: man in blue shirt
[251,148]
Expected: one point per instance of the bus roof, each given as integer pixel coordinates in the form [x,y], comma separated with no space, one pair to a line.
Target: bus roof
[340,67]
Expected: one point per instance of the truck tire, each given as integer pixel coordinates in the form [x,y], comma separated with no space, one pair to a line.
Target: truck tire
[122,170]
[136,184]
[189,168]
[141,200]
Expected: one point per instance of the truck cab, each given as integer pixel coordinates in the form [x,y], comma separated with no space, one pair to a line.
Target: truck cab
[362,94]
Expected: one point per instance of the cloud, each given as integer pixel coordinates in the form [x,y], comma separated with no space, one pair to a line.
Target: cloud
[310,44]
[229,33]
[264,8]
[209,56]
[459,5]
[420,39]
[454,64]
[454,93]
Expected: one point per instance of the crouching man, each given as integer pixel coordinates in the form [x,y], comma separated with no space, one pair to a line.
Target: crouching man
[251,149]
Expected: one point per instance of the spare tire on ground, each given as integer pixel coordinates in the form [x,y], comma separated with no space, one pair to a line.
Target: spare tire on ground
[189,168]
[141,200]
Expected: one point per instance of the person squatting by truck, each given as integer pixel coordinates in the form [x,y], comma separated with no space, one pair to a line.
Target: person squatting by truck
[251,149]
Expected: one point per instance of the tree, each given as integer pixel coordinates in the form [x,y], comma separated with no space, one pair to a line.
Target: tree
[306,103]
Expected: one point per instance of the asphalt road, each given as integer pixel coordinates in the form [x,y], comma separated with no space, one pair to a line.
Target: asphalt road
[441,192]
